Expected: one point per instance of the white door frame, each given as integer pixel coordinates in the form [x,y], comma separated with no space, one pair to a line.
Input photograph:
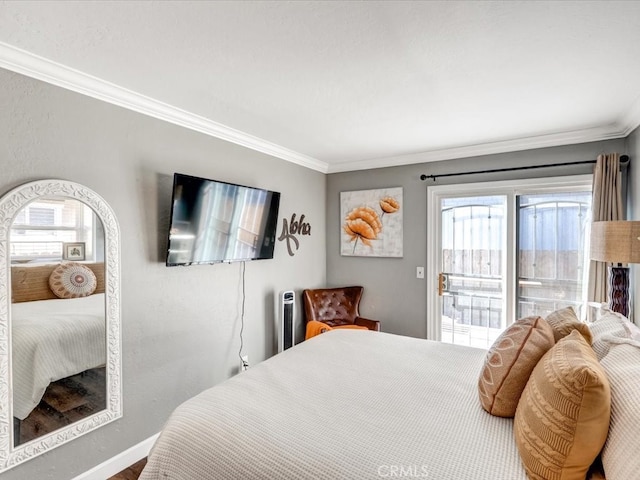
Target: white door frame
[510,188]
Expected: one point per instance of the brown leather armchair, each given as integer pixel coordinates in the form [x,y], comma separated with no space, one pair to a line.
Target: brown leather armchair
[336,307]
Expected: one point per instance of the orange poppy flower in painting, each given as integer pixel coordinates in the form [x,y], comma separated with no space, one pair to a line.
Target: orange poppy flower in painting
[362,223]
[389,205]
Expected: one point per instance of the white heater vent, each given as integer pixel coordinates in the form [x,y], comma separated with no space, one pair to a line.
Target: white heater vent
[286,330]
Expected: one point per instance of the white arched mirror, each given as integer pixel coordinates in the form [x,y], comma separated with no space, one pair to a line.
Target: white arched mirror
[60,364]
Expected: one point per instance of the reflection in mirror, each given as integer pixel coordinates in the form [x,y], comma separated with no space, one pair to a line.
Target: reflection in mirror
[58,344]
[59,319]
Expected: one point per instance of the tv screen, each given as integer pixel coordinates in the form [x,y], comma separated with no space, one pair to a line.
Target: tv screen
[213,222]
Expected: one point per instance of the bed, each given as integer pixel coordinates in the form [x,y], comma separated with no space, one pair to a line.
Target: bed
[51,340]
[353,404]
[346,404]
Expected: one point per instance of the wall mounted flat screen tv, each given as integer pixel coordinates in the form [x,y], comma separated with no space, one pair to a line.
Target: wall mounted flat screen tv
[214,222]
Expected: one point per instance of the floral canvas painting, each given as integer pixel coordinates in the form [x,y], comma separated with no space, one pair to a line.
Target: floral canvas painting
[371,223]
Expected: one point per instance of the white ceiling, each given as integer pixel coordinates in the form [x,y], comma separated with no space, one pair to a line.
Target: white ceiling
[347,85]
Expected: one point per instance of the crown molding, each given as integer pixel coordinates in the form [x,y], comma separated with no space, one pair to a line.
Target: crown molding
[34,66]
[607,132]
[631,120]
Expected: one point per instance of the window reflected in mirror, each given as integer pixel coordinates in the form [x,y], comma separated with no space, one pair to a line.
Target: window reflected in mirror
[42,228]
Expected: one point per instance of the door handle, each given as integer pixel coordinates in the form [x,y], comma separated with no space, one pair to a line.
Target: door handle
[443,283]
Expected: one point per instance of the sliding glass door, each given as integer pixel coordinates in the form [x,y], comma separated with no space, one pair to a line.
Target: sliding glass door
[551,242]
[501,251]
[472,278]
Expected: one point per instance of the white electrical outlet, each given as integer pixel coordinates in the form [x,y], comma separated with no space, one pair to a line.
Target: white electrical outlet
[245,363]
[419,272]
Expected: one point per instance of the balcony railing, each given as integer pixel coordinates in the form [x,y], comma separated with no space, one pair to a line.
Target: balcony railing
[473,306]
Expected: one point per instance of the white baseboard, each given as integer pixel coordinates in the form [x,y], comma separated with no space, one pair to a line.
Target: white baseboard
[119,462]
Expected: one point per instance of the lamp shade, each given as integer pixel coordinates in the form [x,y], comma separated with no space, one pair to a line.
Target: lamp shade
[615,241]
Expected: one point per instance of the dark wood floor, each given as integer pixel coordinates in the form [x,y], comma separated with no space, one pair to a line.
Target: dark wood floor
[65,402]
[131,473]
[68,400]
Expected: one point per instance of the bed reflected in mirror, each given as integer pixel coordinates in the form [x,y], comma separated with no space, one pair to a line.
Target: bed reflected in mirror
[58,316]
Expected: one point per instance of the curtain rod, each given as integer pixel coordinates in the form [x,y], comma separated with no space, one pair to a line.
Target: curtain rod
[624,160]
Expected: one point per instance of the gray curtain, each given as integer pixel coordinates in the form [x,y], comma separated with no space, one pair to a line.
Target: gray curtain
[606,205]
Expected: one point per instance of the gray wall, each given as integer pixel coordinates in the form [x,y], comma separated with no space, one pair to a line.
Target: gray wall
[180,325]
[392,292]
[633,213]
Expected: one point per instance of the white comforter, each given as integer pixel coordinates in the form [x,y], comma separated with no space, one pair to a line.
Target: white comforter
[51,340]
[347,404]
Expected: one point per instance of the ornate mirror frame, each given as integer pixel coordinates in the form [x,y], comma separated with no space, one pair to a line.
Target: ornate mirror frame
[10,205]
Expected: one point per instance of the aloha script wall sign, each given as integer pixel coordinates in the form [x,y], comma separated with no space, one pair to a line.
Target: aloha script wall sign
[290,231]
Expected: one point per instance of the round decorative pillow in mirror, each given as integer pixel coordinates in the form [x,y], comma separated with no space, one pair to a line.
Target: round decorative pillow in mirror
[72,280]
[60,363]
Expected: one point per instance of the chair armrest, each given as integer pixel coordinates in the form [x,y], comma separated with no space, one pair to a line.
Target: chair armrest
[370,324]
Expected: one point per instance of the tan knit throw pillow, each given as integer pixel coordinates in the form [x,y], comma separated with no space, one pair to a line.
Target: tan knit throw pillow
[563,415]
[564,321]
[509,363]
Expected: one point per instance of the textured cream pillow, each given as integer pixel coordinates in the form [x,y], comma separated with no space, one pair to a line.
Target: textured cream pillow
[509,363]
[607,328]
[564,321]
[563,415]
[620,455]
[72,280]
